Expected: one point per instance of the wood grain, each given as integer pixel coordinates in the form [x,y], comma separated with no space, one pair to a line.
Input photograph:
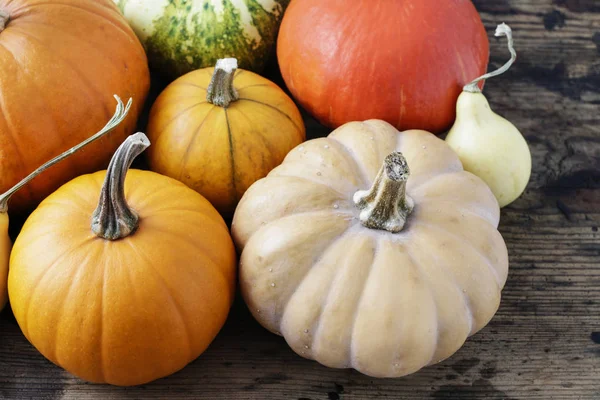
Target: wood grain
[544,343]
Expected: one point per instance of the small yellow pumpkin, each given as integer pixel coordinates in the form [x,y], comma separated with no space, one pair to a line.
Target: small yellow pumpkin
[384,269]
[128,289]
[220,129]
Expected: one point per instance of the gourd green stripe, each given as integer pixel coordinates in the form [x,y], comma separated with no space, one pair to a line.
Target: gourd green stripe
[183,35]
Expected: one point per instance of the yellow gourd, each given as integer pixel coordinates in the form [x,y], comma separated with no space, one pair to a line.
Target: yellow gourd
[488,145]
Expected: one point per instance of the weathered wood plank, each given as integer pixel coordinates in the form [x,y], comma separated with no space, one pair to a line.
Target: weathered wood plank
[544,343]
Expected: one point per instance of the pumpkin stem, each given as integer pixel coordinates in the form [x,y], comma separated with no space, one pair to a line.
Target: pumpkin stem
[386,205]
[120,114]
[113,219]
[501,30]
[4,18]
[220,91]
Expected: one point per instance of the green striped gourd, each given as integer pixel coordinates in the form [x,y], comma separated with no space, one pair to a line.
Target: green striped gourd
[184,35]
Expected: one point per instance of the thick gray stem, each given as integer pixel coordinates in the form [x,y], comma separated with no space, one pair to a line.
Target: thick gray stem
[386,205]
[113,219]
[220,91]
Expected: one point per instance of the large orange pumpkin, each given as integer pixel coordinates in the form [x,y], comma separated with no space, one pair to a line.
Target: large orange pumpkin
[127,289]
[403,61]
[60,63]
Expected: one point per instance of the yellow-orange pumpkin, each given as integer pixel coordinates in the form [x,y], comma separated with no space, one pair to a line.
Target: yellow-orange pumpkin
[218,131]
[132,291]
[60,63]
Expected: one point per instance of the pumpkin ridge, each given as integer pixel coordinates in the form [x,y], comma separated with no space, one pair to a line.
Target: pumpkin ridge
[464,209]
[358,167]
[459,238]
[169,122]
[347,262]
[276,109]
[360,299]
[80,269]
[176,306]
[4,116]
[175,83]
[236,197]
[316,260]
[104,16]
[417,266]
[41,278]
[304,178]
[184,239]
[102,323]
[239,89]
[186,155]
[41,95]
[467,301]
[97,94]
[265,140]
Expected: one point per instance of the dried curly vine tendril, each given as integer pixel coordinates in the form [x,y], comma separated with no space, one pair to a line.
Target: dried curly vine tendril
[120,114]
[501,30]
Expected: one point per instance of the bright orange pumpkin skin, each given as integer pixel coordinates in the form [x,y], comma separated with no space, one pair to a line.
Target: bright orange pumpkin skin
[129,311]
[402,61]
[220,152]
[61,61]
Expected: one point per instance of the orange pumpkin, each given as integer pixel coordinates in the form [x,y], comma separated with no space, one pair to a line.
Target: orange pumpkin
[218,131]
[403,61]
[61,61]
[134,297]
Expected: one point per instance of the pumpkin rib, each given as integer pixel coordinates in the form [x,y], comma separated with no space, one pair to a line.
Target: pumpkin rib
[458,238]
[184,239]
[265,140]
[239,89]
[311,268]
[179,114]
[360,299]
[36,285]
[10,130]
[276,109]
[184,83]
[97,94]
[103,323]
[451,277]
[417,266]
[42,95]
[176,306]
[343,195]
[358,166]
[87,10]
[188,150]
[317,330]
[236,197]
[467,303]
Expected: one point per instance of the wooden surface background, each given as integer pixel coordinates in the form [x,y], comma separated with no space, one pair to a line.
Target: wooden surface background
[544,343]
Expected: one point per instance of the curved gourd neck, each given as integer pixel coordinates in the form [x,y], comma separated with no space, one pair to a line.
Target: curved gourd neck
[220,91]
[386,205]
[113,219]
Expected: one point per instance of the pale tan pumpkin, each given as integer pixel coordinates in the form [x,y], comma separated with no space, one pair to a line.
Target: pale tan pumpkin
[359,266]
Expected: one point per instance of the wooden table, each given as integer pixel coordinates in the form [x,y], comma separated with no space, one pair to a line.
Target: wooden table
[544,343]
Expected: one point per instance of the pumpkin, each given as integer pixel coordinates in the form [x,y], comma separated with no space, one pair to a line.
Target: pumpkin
[371,249]
[183,35]
[5,242]
[61,61]
[401,61]
[131,289]
[218,131]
